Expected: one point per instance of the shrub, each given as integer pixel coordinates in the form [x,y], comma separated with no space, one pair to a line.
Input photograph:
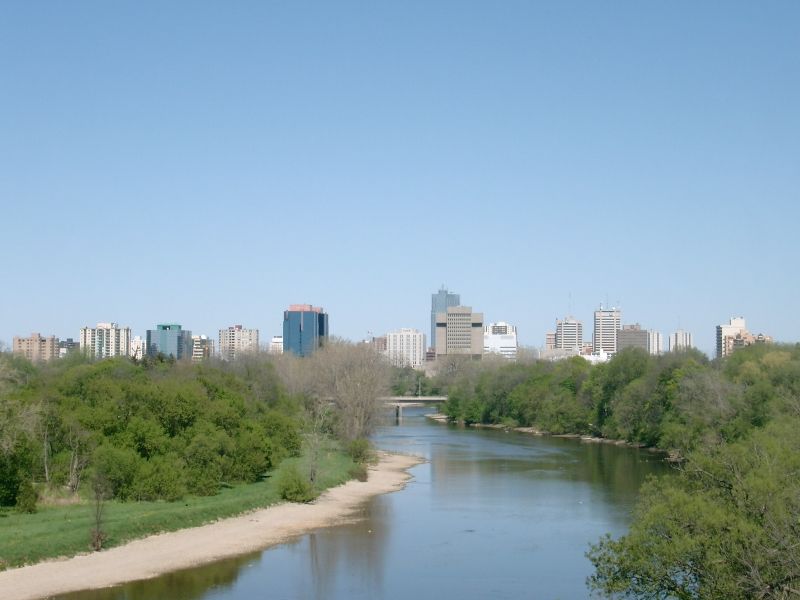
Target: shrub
[26,497]
[359,472]
[293,487]
[360,451]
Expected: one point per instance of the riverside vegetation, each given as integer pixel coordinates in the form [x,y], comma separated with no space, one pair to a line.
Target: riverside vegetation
[93,454]
[726,525]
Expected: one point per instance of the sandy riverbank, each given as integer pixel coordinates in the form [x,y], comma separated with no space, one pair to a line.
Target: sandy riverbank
[167,552]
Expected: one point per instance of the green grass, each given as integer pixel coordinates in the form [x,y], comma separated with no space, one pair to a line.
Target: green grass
[56,531]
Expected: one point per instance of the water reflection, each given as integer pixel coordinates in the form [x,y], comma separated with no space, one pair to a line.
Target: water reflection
[492,514]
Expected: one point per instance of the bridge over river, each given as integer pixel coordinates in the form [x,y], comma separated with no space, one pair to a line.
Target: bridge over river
[398,402]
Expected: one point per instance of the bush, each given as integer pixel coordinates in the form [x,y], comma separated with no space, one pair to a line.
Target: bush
[360,451]
[359,472]
[26,497]
[292,486]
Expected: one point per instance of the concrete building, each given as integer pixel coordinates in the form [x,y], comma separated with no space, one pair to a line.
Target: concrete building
[36,348]
[440,302]
[734,335]
[459,331]
[632,336]
[276,345]
[405,348]
[680,340]
[550,340]
[501,338]
[655,342]
[169,339]
[138,347]
[607,322]
[569,335]
[106,340]
[305,328]
[202,348]
[236,340]
[67,346]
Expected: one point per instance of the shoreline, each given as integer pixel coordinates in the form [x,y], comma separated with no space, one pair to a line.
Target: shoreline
[163,553]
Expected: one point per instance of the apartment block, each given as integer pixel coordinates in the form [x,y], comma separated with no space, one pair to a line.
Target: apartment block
[36,348]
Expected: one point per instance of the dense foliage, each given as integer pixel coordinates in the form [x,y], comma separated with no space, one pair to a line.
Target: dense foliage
[153,430]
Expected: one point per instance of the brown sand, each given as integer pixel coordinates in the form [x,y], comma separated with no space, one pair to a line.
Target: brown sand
[158,554]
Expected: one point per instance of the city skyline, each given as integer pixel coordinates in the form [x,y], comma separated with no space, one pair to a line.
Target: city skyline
[360,157]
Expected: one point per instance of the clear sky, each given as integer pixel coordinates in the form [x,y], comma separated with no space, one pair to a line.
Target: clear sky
[210,163]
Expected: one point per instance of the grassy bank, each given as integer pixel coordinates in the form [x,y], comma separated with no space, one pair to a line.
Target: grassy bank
[56,531]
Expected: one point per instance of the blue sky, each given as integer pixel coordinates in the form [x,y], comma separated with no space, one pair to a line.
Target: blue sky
[211,163]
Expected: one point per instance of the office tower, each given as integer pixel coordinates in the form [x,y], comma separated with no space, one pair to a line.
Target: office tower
[379,343]
[500,338]
[440,302]
[169,339]
[202,348]
[606,323]
[138,348]
[236,340]
[405,347]
[459,331]
[67,346]
[569,335]
[632,336]
[680,340]
[550,340]
[305,328]
[106,340]
[655,342]
[36,348]
[734,335]
[276,345]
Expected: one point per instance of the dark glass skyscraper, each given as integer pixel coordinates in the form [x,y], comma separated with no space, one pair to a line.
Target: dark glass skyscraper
[169,340]
[305,328]
[439,303]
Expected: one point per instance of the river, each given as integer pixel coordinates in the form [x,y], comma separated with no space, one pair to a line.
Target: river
[490,515]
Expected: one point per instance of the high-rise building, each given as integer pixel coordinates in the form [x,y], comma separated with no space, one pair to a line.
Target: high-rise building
[655,342]
[67,346]
[106,340]
[138,347]
[36,348]
[500,338]
[459,331]
[632,336]
[440,302]
[606,323]
[236,340]
[569,334]
[726,334]
[405,347]
[734,335]
[169,339]
[202,348]
[305,328]
[550,340]
[680,340]
[276,345]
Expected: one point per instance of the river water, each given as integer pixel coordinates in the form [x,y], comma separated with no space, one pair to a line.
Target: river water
[490,515]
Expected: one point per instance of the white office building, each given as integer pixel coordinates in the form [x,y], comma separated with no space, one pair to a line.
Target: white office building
[680,340]
[500,338]
[276,345]
[106,340]
[606,323]
[138,347]
[655,342]
[569,335]
[236,340]
[406,348]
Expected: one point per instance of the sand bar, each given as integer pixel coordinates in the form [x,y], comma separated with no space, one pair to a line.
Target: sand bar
[159,554]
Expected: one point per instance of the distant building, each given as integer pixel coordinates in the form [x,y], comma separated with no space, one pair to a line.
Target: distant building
[405,347]
[106,340]
[680,340]
[276,345]
[440,302]
[67,346]
[305,328]
[655,342]
[607,322]
[632,336]
[734,335]
[500,338]
[550,340]
[379,343]
[587,348]
[202,348]
[169,339]
[569,335]
[459,331]
[36,348]
[236,340]
[138,347]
